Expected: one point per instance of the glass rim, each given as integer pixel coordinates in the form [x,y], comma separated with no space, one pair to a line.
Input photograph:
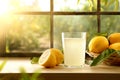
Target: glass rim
[74,32]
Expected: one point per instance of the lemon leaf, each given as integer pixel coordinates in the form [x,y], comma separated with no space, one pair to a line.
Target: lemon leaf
[34,60]
[118,52]
[2,65]
[101,34]
[105,54]
[78,1]
[35,76]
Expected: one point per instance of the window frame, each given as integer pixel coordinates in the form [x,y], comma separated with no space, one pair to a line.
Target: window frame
[98,13]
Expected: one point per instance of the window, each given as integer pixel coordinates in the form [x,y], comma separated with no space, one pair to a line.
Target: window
[28,27]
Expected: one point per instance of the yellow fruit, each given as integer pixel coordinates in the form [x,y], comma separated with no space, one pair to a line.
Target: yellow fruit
[51,57]
[47,59]
[98,44]
[114,38]
[115,46]
[59,55]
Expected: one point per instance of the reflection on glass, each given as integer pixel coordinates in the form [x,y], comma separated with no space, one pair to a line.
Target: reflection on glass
[73,24]
[28,33]
[75,5]
[110,5]
[110,23]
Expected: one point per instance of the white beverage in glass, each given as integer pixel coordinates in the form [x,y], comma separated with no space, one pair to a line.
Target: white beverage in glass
[74,50]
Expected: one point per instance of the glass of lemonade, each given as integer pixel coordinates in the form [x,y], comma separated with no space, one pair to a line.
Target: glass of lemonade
[74,46]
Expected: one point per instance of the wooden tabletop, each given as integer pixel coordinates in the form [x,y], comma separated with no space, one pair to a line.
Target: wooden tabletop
[100,72]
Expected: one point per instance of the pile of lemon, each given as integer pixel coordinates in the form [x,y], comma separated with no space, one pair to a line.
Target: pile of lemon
[100,43]
[51,58]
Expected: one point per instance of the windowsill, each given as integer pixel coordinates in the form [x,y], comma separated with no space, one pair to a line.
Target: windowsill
[13,65]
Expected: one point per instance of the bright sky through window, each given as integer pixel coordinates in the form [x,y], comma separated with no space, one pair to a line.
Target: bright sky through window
[26,2]
[4,6]
[71,4]
[17,5]
[44,5]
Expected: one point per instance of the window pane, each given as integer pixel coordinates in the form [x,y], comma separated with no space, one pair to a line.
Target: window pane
[24,5]
[75,5]
[110,5]
[110,23]
[73,23]
[28,33]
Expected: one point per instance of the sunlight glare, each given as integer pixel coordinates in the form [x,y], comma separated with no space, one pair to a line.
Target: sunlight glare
[26,2]
[44,5]
[71,4]
[4,7]
[5,14]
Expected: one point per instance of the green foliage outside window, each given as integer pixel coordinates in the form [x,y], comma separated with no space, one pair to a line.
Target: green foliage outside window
[25,33]
[32,32]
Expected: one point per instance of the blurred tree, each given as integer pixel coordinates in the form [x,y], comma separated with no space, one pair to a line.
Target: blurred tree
[31,32]
[25,32]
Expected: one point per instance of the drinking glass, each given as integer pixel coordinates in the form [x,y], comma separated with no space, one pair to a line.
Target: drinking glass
[74,46]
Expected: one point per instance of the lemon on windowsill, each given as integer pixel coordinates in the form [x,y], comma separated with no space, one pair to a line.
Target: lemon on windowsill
[50,58]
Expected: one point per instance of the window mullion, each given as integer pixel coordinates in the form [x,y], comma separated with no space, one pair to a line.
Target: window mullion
[51,23]
[98,15]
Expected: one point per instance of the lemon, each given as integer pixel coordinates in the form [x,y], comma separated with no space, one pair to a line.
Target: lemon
[51,57]
[58,54]
[115,46]
[98,44]
[114,38]
[47,59]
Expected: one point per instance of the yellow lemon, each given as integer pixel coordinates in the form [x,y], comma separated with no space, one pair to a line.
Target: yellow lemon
[58,54]
[114,38]
[47,59]
[115,46]
[98,44]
